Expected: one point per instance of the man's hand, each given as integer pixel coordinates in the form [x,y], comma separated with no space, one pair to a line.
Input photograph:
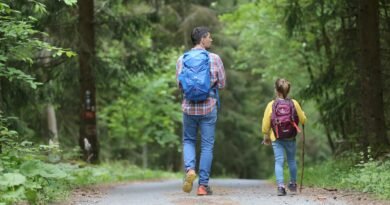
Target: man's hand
[266,141]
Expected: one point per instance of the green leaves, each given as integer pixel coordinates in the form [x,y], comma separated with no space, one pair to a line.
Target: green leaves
[70,54]
[262,45]
[39,8]
[371,176]
[20,44]
[11,179]
[34,168]
[13,195]
[145,112]
[70,2]
[11,187]
[4,8]
[16,74]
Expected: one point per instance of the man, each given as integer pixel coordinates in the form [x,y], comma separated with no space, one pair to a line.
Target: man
[200,114]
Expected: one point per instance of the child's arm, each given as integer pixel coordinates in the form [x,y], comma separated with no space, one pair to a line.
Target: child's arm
[266,125]
[301,114]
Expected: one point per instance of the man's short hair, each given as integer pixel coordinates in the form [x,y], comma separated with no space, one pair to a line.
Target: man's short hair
[198,33]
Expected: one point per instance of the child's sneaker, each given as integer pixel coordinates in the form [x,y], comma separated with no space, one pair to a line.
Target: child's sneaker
[281,191]
[188,180]
[292,187]
[204,190]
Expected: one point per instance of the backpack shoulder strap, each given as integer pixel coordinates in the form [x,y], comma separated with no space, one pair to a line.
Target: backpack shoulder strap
[292,108]
[293,113]
[273,115]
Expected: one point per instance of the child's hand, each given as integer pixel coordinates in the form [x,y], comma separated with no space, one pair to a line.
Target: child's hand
[266,141]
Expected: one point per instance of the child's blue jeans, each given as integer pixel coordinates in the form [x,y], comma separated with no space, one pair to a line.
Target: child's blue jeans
[206,124]
[279,146]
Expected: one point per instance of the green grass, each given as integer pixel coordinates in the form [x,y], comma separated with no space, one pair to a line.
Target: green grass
[326,175]
[355,172]
[118,172]
[319,175]
[366,176]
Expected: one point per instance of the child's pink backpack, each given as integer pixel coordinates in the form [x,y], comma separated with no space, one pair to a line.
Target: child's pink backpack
[284,119]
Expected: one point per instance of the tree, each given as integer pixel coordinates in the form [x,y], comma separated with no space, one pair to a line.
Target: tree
[88,139]
[371,76]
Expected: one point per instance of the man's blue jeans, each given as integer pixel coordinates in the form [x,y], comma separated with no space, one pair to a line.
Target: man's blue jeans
[206,124]
[279,146]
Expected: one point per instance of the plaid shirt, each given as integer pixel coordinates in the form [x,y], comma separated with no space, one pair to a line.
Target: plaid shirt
[217,79]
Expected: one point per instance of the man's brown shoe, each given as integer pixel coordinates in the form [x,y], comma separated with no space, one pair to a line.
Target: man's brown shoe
[204,190]
[188,181]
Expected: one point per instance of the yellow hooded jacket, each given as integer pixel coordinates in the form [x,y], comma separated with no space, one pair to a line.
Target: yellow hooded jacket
[266,126]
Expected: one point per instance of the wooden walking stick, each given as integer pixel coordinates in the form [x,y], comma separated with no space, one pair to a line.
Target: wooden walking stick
[302,157]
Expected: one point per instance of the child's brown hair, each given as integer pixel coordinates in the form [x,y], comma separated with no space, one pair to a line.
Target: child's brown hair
[282,86]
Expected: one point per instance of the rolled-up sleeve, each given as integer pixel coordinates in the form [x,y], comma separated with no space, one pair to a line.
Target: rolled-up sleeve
[220,73]
[178,70]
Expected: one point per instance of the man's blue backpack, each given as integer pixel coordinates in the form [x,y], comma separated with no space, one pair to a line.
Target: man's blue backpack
[195,75]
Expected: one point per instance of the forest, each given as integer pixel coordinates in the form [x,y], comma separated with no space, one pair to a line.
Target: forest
[92,82]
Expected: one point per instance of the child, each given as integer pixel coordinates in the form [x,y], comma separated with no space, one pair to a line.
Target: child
[283,115]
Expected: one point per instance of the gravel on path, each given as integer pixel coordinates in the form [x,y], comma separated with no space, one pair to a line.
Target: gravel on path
[226,192]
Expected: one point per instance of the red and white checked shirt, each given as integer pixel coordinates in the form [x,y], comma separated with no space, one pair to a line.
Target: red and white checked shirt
[217,79]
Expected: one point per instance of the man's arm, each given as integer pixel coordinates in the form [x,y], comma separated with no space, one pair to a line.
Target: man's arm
[220,73]
[179,65]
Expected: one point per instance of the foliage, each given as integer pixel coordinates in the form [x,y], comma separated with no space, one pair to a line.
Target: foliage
[24,54]
[367,175]
[38,182]
[23,175]
[261,45]
[123,39]
[70,2]
[330,52]
[175,21]
[145,111]
[261,49]
[19,42]
[313,44]
[117,171]
[327,174]
[370,176]
[330,30]
[26,175]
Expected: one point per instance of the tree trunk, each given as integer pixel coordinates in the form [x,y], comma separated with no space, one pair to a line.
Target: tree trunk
[145,156]
[374,129]
[88,136]
[52,123]
[53,155]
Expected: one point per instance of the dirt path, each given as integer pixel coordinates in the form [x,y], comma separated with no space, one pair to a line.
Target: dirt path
[226,192]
